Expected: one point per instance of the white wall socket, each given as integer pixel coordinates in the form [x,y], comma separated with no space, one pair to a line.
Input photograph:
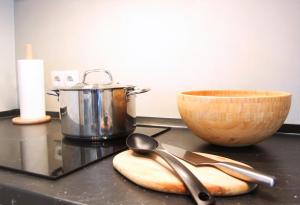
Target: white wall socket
[71,77]
[64,78]
[57,79]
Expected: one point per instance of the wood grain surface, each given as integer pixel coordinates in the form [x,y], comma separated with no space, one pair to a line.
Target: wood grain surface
[22,121]
[152,172]
[233,117]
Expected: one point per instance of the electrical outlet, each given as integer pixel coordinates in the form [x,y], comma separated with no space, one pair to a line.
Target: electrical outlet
[71,77]
[64,78]
[58,79]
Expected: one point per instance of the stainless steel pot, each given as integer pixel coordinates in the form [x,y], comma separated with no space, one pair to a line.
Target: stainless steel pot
[98,111]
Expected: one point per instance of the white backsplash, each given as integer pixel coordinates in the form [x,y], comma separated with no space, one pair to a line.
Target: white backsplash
[169,45]
[8,88]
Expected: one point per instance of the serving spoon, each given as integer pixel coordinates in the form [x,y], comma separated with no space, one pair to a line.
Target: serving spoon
[144,144]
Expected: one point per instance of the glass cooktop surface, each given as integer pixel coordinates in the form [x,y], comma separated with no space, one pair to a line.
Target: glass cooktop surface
[43,151]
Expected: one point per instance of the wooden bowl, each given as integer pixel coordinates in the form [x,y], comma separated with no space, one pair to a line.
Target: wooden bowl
[233,117]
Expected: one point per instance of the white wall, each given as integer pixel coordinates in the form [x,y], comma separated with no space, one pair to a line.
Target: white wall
[8,90]
[169,45]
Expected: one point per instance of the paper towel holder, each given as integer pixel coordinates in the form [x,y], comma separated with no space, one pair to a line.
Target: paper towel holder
[36,120]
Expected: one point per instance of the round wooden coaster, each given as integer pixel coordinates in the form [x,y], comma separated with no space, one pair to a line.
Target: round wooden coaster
[150,171]
[22,121]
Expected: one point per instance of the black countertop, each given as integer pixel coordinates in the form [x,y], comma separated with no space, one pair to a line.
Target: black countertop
[99,183]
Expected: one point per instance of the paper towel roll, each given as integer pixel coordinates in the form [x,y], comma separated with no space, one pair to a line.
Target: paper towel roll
[31,88]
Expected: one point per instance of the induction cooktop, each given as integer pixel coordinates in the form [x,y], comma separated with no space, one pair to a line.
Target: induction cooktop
[42,150]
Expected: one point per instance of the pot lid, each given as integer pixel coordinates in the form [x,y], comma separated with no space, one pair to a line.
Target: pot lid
[96,86]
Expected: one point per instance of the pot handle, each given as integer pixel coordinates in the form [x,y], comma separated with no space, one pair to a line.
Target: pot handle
[53,92]
[98,70]
[138,91]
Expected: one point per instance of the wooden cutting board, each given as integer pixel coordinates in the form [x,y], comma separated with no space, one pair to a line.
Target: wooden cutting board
[152,172]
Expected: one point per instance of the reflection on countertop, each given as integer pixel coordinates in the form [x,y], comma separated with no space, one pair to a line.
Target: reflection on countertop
[42,150]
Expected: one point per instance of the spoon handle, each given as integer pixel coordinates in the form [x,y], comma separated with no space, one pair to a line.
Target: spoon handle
[196,188]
